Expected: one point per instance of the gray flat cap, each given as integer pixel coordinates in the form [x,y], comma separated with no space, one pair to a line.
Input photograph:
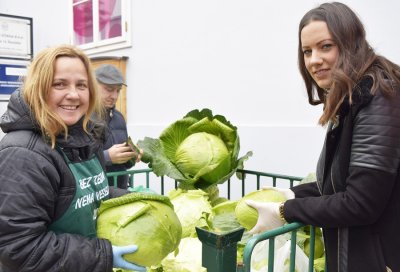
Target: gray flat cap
[110,75]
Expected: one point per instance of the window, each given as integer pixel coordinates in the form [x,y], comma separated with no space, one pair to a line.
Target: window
[101,25]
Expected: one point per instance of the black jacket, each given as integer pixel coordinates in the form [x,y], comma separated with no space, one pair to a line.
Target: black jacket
[116,134]
[36,188]
[358,178]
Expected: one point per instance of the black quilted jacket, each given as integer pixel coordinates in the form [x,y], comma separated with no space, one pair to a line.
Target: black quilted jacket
[36,187]
[358,178]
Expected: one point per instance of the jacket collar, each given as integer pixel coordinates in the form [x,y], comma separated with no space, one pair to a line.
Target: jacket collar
[361,96]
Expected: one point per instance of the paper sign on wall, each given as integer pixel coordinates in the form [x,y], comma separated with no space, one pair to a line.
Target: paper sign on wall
[15,37]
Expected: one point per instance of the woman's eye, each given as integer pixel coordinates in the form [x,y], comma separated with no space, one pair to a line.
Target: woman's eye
[58,85]
[327,46]
[82,86]
[307,52]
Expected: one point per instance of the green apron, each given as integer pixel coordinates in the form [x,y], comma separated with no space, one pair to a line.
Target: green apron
[91,189]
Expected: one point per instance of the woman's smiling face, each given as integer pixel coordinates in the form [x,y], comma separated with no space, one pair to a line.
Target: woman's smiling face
[69,94]
[320,52]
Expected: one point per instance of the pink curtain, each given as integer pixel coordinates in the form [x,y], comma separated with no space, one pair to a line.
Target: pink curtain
[83,20]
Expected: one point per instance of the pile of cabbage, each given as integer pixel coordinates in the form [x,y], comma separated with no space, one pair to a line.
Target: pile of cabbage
[201,151]
[198,151]
[149,221]
[194,209]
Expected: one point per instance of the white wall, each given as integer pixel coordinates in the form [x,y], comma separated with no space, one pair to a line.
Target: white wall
[50,19]
[236,57]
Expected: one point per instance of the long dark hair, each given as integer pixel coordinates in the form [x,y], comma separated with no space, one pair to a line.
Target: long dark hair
[356,59]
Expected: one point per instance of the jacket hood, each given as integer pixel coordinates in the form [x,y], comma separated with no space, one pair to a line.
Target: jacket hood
[17,115]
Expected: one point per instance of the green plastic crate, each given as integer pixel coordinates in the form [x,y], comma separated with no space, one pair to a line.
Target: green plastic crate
[220,250]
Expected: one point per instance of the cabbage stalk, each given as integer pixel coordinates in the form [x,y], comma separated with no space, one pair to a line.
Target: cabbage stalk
[198,151]
[142,219]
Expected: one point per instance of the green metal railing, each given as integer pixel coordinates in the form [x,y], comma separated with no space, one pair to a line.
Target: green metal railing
[271,235]
[219,250]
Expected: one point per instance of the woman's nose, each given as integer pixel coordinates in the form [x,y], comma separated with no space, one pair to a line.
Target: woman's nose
[73,92]
[315,58]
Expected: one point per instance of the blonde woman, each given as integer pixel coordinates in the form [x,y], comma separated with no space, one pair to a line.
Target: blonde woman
[52,176]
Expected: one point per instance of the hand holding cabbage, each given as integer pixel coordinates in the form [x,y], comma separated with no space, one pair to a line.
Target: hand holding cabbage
[268,212]
[268,216]
[142,219]
[259,210]
[120,262]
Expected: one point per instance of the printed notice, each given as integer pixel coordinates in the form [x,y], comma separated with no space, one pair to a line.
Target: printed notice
[15,37]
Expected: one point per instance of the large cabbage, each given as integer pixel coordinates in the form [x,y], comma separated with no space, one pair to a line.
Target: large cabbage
[198,151]
[203,155]
[142,219]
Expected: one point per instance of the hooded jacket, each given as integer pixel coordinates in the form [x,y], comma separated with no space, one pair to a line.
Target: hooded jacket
[356,199]
[36,188]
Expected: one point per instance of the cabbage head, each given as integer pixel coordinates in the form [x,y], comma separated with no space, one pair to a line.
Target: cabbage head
[199,150]
[192,208]
[142,219]
[203,155]
[246,215]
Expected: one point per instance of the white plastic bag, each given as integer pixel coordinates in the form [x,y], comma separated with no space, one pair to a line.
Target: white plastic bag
[282,259]
[259,257]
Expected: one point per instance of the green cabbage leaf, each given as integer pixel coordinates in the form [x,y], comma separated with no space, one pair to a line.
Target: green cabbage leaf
[223,218]
[192,208]
[188,259]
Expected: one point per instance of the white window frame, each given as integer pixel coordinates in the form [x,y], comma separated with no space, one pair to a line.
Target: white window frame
[99,46]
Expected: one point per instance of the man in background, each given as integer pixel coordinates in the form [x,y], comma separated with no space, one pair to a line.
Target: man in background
[118,156]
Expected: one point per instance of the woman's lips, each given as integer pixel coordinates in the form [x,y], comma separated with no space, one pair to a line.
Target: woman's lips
[69,108]
[322,73]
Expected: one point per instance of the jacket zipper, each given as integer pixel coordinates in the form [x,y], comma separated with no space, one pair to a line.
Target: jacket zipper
[319,187]
[338,253]
[338,232]
[333,184]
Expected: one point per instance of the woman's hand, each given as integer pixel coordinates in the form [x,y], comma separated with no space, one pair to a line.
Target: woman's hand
[120,262]
[268,216]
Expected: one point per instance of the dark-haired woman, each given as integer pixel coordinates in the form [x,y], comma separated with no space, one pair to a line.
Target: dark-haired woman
[356,197]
